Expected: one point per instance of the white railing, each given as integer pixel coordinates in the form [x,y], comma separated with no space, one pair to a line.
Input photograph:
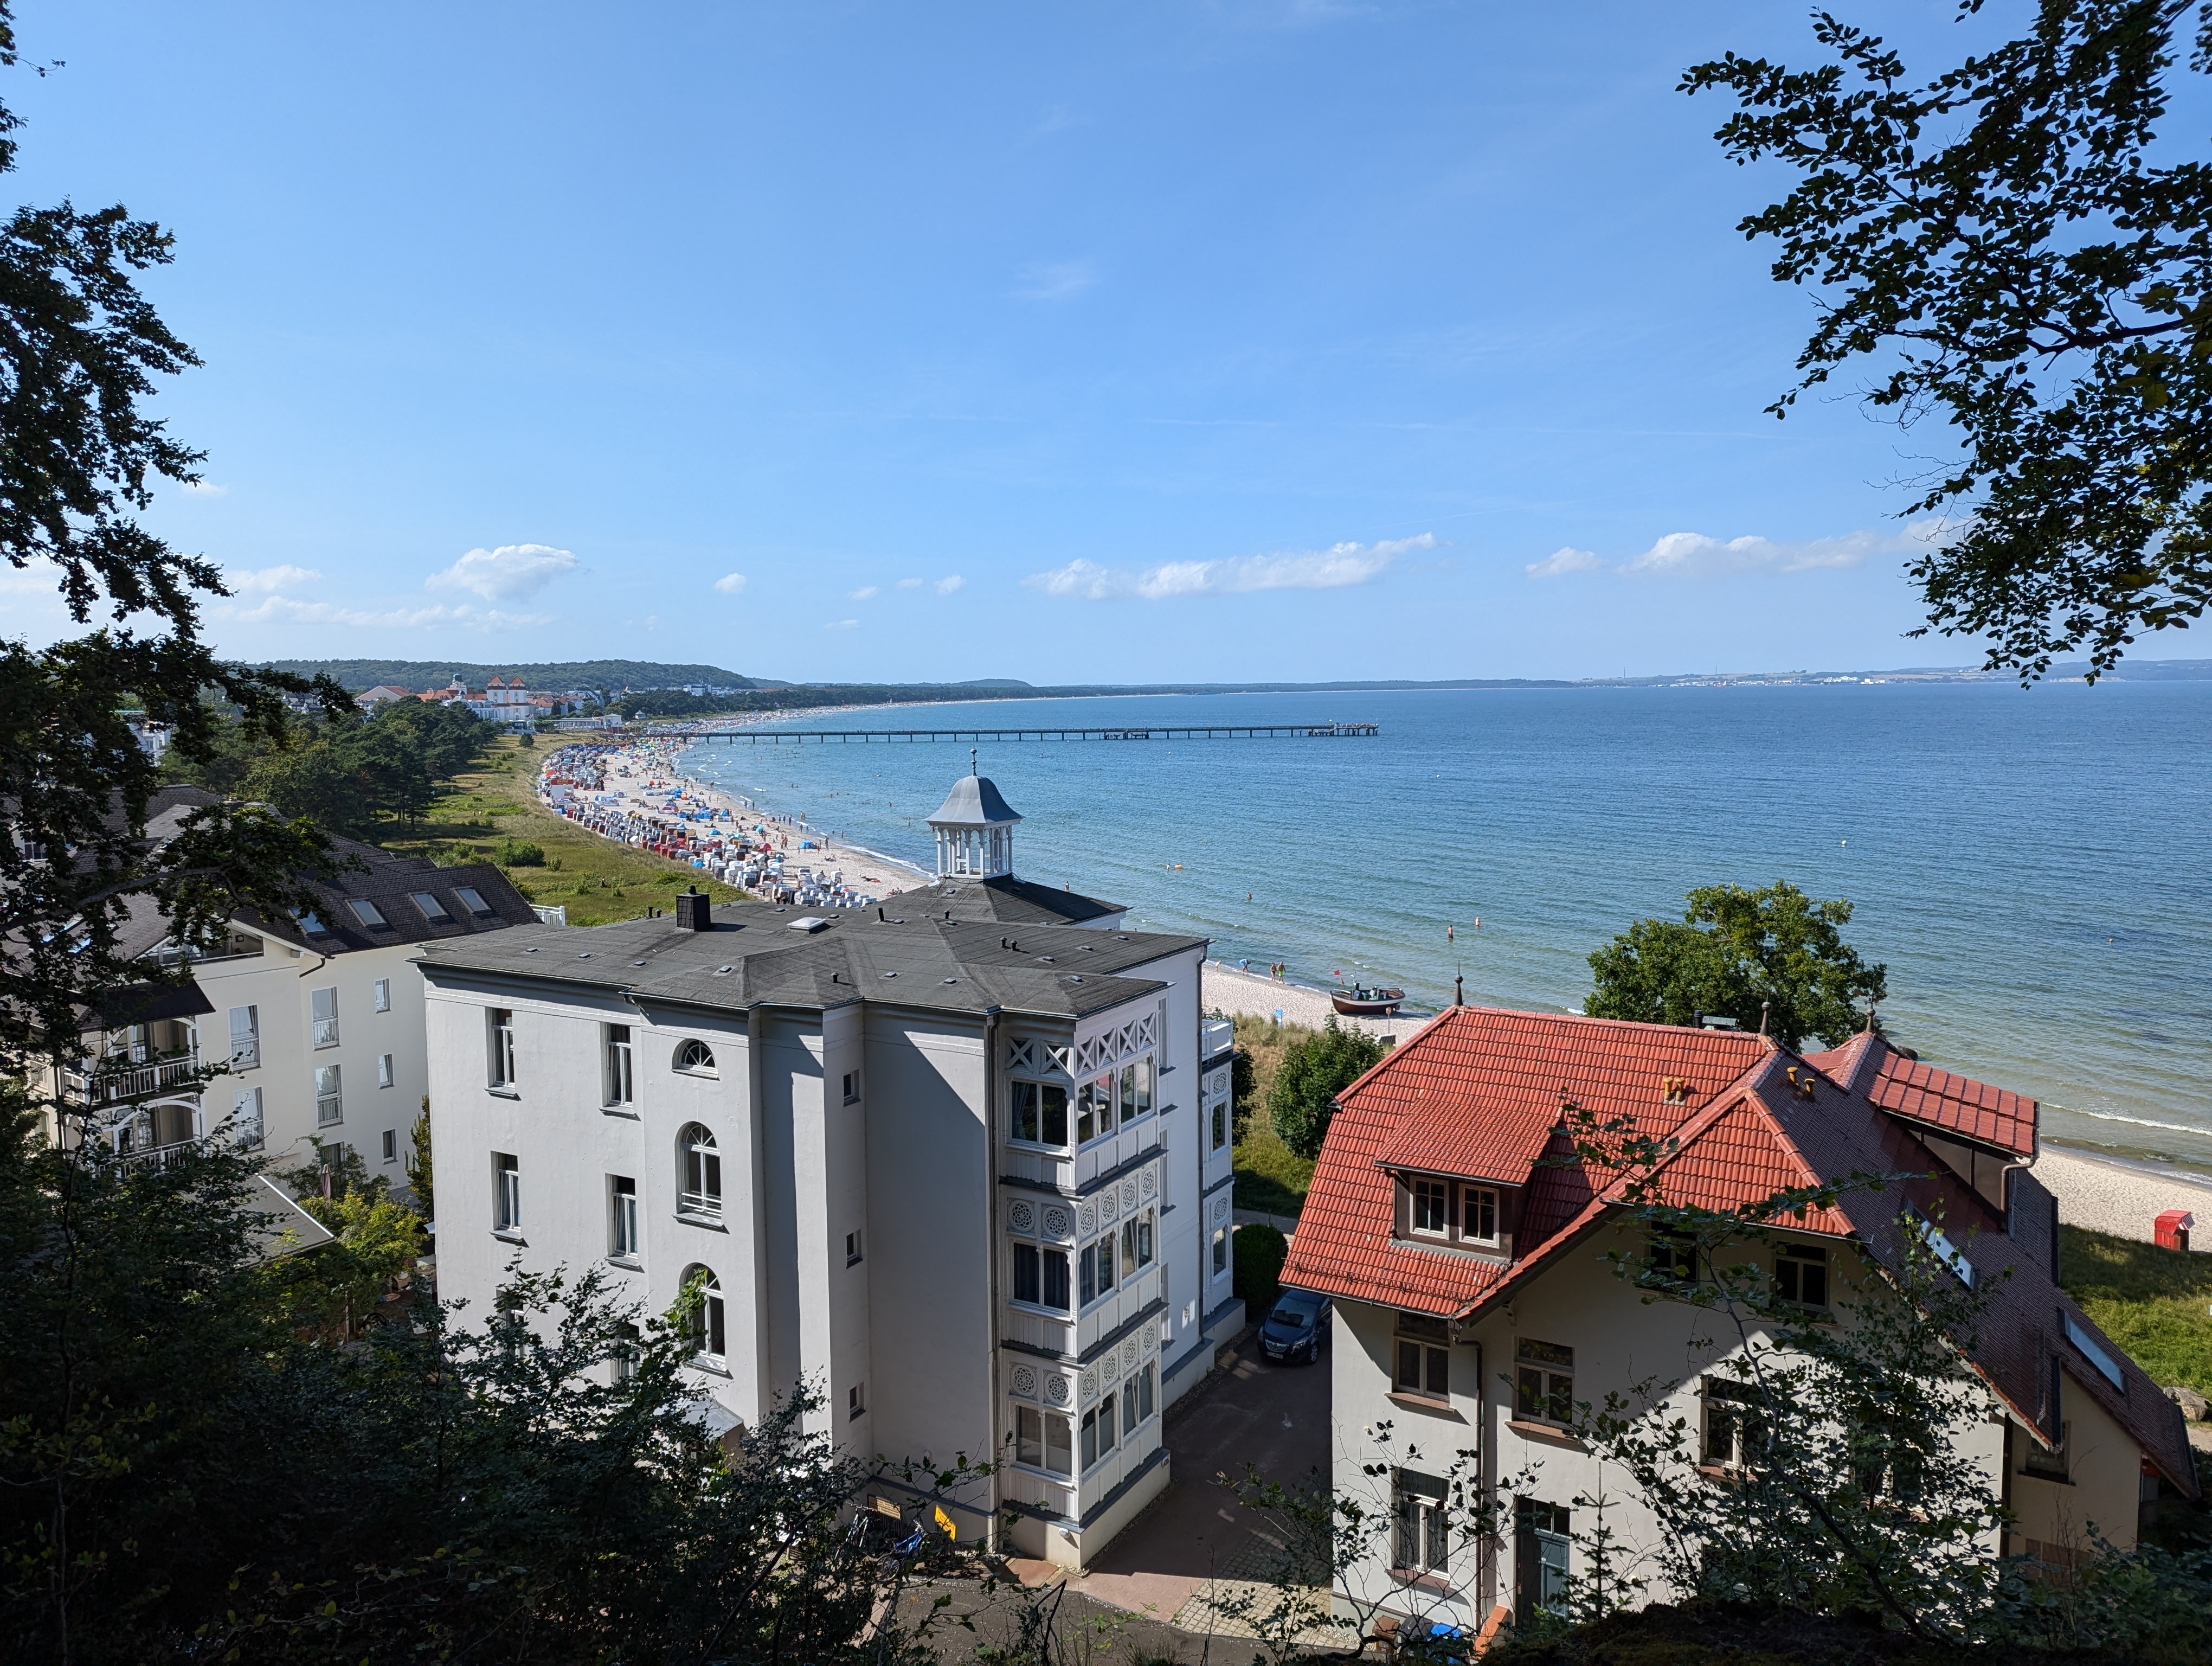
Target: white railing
[156,1157]
[106,1084]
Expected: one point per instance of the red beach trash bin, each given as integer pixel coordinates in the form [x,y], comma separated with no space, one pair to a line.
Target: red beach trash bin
[2171,1228]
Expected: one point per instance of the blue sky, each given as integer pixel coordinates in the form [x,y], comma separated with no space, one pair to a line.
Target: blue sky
[1096,342]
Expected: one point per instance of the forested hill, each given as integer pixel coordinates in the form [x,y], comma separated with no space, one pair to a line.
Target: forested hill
[419,674]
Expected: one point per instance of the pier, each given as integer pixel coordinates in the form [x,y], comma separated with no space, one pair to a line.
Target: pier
[1164,731]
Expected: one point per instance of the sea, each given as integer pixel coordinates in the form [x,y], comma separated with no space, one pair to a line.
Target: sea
[2033,866]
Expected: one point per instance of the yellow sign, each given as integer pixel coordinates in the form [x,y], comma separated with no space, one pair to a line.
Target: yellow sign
[945,1522]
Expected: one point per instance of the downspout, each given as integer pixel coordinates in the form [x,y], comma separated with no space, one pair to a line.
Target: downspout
[991,1016]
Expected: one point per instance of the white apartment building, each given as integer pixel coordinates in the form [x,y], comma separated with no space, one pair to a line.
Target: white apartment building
[319,1020]
[957,1173]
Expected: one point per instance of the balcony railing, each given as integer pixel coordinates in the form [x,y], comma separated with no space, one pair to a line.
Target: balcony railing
[156,1156]
[117,1082]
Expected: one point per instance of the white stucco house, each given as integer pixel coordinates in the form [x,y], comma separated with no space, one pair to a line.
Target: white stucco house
[1461,1238]
[949,1161]
[317,1021]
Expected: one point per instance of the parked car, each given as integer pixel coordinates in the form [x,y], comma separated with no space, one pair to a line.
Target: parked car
[1293,1330]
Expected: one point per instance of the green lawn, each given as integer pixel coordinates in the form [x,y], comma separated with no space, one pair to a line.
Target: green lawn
[1270,1176]
[597,880]
[2153,1301]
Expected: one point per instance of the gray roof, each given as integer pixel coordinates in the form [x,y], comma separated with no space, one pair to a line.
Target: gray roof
[757,955]
[973,802]
[1005,901]
[390,884]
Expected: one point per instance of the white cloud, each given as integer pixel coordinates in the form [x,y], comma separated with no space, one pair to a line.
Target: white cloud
[731,584]
[287,611]
[263,580]
[1563,560]
[1694,556]
[1331,569]
[507,574]
[842,624]
[204,489]
[867,592]
[910,584]
[1054,281]
[949,583]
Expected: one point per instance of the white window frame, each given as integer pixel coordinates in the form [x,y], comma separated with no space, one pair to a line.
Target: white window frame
[499,1037]
[618,1066]
[852,1087]
[323,1016]
[1223,1260]
[1420,1186]
[710,1327]
[246,1115]
[699,1158]
[507,1192]
[1494,1202]
[380,995]
[246,1044]
[387,1070]
[330,1096]
[698,1063]
[392,1144]
[623,1234]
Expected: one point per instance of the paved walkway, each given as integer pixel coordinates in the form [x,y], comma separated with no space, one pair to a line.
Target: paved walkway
[1275,1418]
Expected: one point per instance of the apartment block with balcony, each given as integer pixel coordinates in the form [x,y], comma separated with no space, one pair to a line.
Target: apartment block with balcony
[944,1167]
[288,1030]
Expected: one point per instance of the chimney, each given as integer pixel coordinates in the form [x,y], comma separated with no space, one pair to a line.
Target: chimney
[694,912]
[1459,991]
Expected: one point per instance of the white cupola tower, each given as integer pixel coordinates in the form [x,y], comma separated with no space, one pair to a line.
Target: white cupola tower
[975,830]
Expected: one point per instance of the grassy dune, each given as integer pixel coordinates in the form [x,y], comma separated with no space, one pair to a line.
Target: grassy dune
[495,808]
[1270,1176]
[2153,1301]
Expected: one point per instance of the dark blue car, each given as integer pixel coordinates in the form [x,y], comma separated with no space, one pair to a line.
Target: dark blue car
[1292,1331]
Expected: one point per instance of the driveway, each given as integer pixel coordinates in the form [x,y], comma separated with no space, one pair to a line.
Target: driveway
[1275,1418]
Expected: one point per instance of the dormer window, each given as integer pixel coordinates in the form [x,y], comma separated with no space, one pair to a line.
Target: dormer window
[1431,1206]
[1459,1215]
[1480,1220]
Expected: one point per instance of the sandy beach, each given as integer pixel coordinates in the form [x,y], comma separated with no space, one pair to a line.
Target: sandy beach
[641,772]
[1227,988]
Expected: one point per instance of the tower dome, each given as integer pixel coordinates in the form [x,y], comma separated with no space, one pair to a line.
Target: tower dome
[974,829]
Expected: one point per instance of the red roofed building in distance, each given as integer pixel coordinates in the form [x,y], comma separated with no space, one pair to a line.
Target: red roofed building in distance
[1461,1240]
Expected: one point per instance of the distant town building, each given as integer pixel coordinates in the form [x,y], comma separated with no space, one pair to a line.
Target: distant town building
[973,1187]
[383,695]
[1464,1242]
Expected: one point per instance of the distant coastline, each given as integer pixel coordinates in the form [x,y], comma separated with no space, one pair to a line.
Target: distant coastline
[643,675]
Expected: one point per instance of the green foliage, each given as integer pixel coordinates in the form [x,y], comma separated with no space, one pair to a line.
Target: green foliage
[419,1177]
[1260,1252]
[2020,251]
[357,775]
[1314,1071]
[195,1468]
[520,853]
[2152,1302]
[337,1288]
[1772,956]
[1243,1092]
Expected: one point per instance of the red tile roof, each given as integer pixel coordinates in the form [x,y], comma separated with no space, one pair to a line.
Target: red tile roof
[1479,1092]
[1921,1093]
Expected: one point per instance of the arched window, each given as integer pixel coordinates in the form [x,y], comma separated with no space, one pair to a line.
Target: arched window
[696,1056]
[708,1328]
[703,1171]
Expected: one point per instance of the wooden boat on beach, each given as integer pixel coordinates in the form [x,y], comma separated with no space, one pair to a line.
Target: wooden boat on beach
[1361,1002]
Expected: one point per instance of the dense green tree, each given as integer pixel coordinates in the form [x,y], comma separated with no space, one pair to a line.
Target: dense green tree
[1314,1070]
[2020,247]
[1771,958]
[194,1468]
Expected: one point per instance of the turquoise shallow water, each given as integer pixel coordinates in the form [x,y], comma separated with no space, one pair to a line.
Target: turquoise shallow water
[2035,867]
